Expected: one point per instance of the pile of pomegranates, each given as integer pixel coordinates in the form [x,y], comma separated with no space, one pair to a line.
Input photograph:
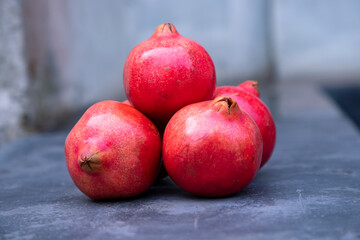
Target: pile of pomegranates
[210,141]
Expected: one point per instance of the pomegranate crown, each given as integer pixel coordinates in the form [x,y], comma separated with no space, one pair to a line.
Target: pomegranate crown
[225,101]
[165,29]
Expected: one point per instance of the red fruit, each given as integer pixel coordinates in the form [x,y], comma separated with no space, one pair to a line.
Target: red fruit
[212,148]
[250,86]
[113,151]
[251,104]
[167,72]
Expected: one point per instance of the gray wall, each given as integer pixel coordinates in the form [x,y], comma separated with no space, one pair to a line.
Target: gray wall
[66,55]
[316,40]
[13,80]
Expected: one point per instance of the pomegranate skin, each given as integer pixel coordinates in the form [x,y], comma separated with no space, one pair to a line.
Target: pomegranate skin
[212,148]
[258,111]
[167,72]
[113,151]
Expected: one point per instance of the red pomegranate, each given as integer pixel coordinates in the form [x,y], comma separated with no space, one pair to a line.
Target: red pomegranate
[212,148]
[250,103]
[113,151]
[167,72]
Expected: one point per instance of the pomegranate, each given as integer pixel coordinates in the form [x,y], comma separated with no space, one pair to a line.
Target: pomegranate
[113,151]
[212,148]
[250,103]
[167,72]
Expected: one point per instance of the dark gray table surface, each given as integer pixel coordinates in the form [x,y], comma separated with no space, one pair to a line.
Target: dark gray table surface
[310,189]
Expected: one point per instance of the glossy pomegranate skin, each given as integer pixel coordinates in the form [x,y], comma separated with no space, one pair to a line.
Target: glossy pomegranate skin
[113,151]
[258,111]
[212,149]
[167,72]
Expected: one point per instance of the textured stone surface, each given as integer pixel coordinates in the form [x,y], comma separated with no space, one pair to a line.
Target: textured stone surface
[309,190]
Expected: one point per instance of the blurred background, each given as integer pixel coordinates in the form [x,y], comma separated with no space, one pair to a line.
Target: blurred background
[58,57]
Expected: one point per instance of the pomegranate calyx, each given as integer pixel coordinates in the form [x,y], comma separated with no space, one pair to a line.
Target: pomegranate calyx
[165,29]
[89,163]
[169,25]
[250,86]
[228,101]
[255,84]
